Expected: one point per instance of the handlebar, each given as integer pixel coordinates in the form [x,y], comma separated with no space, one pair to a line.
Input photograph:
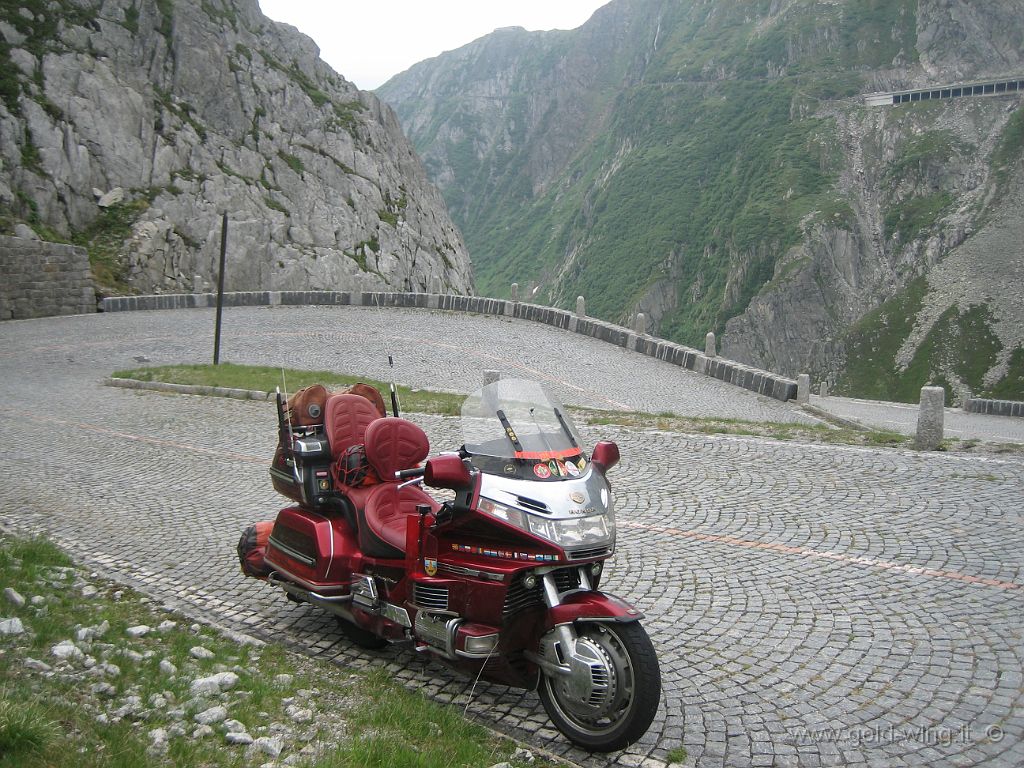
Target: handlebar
[404,474]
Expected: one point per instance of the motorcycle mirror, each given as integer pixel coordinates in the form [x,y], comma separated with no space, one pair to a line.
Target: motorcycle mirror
[605,455]
[446,472]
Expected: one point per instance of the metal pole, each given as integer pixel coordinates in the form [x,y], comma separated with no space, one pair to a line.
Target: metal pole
[220,288]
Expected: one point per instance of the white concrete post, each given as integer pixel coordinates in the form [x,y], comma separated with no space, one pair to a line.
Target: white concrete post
[491,376]
[929,418]
[581,306]
[709,345]
[435,285]
[515,291]
[823,389]
[803,388]
[640,324]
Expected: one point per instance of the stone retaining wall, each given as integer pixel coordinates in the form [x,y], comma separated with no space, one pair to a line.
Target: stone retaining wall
[762,382]
[40,279]
[994,407]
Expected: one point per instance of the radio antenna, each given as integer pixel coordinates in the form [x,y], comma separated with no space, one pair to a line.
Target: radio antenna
[284,409]
[394,392]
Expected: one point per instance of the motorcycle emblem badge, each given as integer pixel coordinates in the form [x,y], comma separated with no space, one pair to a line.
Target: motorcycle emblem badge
[430,566]
[578,497]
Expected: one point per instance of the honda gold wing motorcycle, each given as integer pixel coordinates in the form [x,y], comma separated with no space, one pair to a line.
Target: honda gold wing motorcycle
[500,580]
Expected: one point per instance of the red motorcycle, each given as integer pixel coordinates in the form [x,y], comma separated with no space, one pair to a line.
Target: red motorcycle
[501,580]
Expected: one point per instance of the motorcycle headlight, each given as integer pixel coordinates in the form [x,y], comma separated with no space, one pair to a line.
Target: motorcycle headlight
[572,532]
[578,531]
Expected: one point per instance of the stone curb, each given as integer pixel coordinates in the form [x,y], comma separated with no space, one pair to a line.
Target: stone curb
[190,389]
[994,407]
[762,382]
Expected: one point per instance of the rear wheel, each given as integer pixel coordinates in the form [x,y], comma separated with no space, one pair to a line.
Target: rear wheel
[364,638]
[611,696]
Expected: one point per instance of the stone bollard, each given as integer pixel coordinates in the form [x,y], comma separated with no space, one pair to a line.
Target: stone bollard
[823,389]
[929,418]
[803,388]
[491,376]
[640,324]
[515,291]
[709,345]
[435,285]
[581,306]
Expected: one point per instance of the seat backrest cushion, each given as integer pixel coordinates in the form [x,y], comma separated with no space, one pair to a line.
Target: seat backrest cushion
[393,444]
[346,418]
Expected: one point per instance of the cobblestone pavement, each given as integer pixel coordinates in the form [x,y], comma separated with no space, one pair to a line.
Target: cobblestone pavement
[811,605]
[902,417]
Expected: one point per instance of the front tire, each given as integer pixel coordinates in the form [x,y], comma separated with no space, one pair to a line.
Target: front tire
[616,706]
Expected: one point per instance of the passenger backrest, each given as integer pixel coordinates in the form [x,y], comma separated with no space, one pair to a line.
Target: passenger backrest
[346,419]
[393,444]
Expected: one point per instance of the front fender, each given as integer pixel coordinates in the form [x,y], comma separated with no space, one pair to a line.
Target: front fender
[596,606]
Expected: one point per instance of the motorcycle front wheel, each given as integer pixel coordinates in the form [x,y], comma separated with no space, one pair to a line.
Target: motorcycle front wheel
[610,698]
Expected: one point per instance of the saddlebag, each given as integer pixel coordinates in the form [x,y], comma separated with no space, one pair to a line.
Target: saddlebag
[252,548]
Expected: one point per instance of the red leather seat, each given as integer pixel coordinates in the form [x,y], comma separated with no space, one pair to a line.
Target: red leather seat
[391,445]
[346,418]
[382,522]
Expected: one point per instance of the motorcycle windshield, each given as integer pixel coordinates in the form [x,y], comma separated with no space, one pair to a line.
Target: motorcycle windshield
[514,424]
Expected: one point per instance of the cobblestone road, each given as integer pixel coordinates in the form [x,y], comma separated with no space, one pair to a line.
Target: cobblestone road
[811,605]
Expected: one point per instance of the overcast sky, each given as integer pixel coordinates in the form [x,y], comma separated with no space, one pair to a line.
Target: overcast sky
[368,41]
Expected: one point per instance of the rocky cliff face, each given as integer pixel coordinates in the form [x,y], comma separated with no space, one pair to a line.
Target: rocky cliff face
[185,109]
[715,166]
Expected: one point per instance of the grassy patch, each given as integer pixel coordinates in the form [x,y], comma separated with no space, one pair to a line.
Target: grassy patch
[265,379]
[677,755]
[1011,145]
[915,216]
[104,240]
[872,344]
[292,162]
[1011,386]
[68,716]
[817,433]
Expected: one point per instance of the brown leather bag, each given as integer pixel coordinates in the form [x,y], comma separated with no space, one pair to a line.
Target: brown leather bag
[306,407]
[371,394]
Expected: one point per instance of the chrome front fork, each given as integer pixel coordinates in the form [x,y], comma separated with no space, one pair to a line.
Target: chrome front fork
[558,646]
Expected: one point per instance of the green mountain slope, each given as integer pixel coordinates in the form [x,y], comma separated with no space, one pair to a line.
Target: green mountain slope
[714,165]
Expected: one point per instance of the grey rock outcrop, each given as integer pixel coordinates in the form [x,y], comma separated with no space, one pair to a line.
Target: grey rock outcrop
[197,108]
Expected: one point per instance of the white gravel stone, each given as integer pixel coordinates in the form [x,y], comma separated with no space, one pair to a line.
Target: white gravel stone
[233,726]
[168,668]
[205,686]
[102,689]
[523,755]
[37,666]
[89,591]
[212,715]
[66,649]
[198,652]
[11,626]
[13,597]
[38,600]
[166,626]
[270,745]
[140,631]
[238,737]
[283,681]
[202,731]
[299,714]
